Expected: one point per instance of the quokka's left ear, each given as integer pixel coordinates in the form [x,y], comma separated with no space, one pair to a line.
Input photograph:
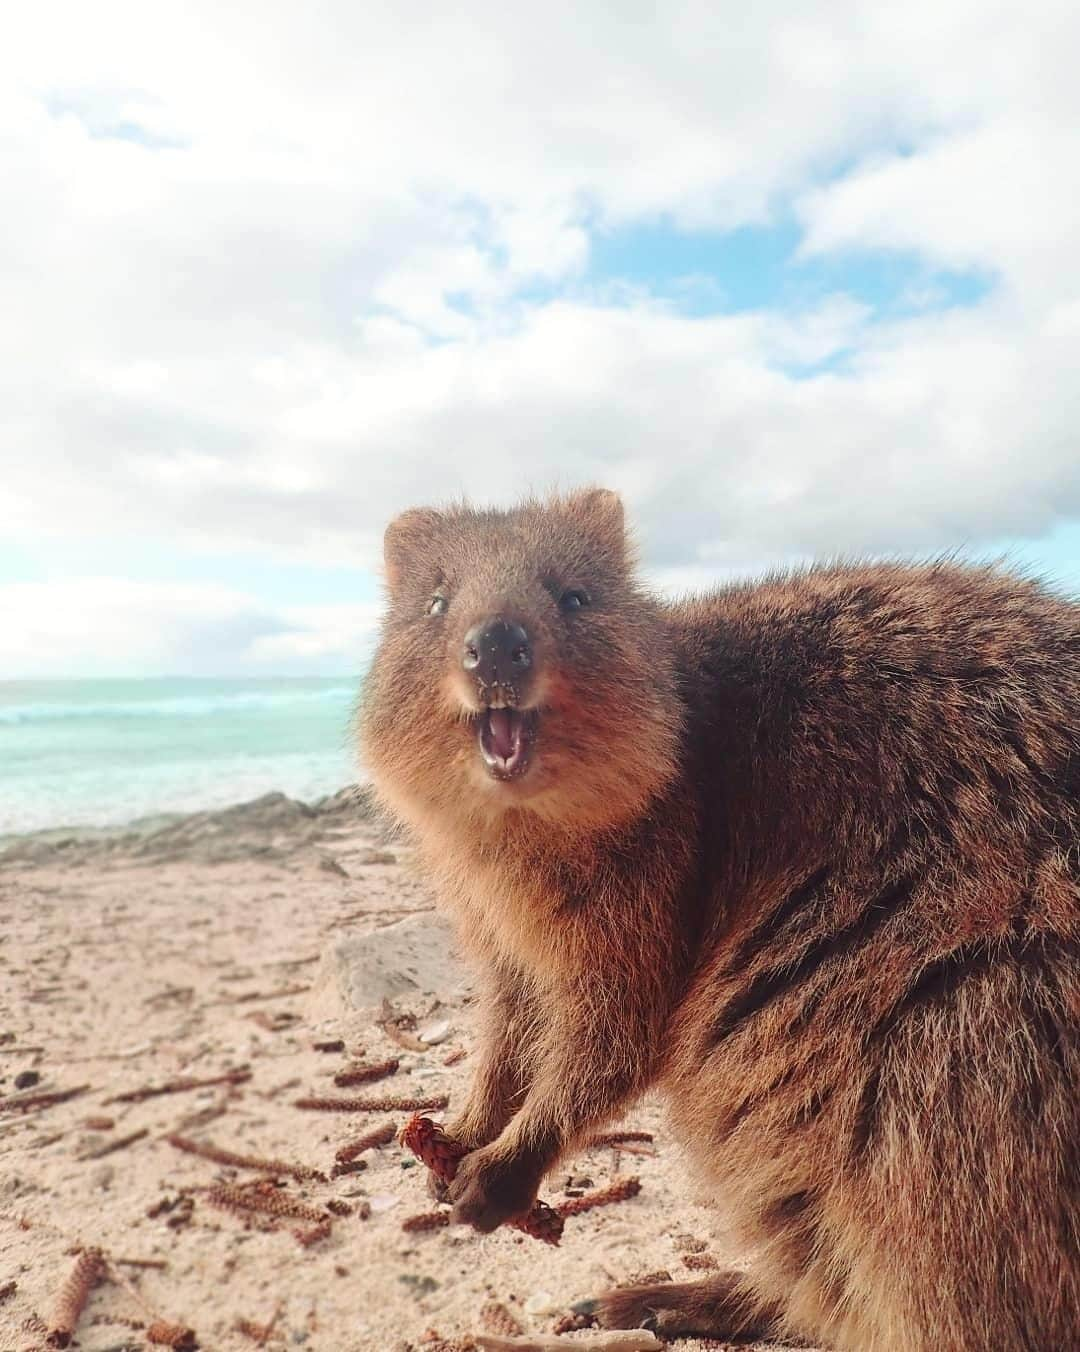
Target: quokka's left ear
[600,511]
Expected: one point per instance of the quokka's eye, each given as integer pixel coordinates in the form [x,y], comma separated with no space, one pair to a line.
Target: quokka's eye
[439,606]
[573,600]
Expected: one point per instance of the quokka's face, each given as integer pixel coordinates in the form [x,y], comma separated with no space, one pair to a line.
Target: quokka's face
[511,666]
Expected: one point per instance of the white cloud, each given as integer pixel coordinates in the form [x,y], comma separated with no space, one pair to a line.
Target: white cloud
[113,626]
[266,277]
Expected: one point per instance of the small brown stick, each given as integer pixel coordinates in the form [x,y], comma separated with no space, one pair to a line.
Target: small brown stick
[700,1262]
[281,993]
[99,1123]
[374,1105]
[229,1197]
[301,1172]
[204,1116]
[180,1086]
[427,1220]
[121,1143]
[429,1143]
[89,1269]
[305,1238]
[496,1318]
[158,1264]
[334,1044]
[171,1335]
[398,1028]
[23,1102]
[371,1140]
[259,1333]
[617,1192]
[458,1054]
[613,1340]
[361,1074]
[619,1138]
[404,1039]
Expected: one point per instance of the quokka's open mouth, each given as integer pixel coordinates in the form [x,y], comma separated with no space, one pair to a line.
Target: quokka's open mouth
[506,737]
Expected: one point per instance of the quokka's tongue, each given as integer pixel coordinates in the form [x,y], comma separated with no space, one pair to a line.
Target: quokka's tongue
[501,725]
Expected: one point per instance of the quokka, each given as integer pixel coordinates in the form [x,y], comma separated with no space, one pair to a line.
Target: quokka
[805,856]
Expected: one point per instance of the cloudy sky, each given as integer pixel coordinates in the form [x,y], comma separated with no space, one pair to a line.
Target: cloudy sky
[797,281]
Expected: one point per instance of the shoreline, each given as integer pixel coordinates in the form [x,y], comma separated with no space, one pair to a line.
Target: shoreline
[246,829]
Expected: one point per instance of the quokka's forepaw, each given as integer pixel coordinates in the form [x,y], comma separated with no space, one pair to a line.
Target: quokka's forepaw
[488,1190]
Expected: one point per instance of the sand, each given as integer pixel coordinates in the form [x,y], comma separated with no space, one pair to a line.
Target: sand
[191,948]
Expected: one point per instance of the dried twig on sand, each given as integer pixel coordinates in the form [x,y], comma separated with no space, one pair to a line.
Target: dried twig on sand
[301,1172]
[334,1044]
[71,1301]
[180,1086]
[617,1192]
[120,1143]
[373,1105]
[24,1102]
[361,1074]
[619,1138]
[171,1335]
[427,1220]
[496,1318]
[258,1333]
[282,993]
[427,1140]
[400,1028]
[264,1198]
[313,1235]
[347,1158]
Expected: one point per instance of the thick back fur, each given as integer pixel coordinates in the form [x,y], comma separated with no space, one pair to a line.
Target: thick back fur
[806,854]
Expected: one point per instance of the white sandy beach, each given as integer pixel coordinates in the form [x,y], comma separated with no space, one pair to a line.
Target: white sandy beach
[205,945]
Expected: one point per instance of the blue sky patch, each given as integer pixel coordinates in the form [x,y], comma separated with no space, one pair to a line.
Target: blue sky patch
[757,267]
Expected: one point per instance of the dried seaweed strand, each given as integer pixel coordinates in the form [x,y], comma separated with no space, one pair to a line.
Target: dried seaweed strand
[313,1235]
[46,1099]
[617,1192]
[180,1086]
[496,1318]
[120,1143]
[427,1220]
[301,1172]
[361,1074]
[259,1333]
[614,1340]
[229,1197]
[373,1105]
[347,1155]
[430,1143]
[175,1336]
[71,1300]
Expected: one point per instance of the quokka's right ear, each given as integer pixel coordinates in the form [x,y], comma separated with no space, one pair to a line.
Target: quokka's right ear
[405,536]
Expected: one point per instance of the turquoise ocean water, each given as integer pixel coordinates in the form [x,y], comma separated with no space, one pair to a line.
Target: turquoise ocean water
[103,752]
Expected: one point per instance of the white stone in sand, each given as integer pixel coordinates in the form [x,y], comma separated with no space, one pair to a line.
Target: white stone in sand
[411,958]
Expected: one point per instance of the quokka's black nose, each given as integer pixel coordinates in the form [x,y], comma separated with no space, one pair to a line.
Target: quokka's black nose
[497,652]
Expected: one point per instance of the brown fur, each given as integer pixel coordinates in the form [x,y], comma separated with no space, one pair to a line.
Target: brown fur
[805,855]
